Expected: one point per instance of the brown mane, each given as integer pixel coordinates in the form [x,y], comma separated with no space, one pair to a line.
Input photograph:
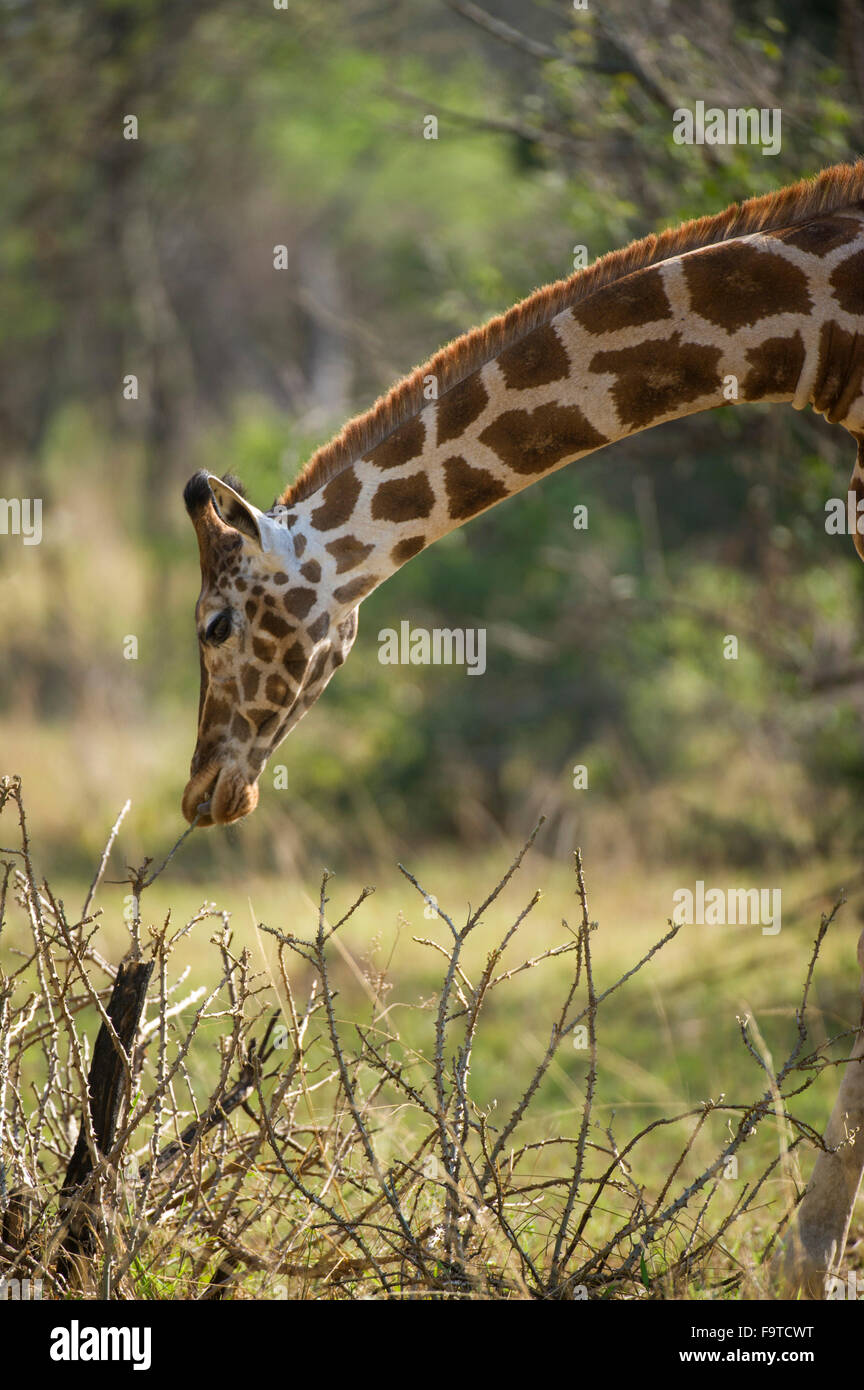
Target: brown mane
[832,189]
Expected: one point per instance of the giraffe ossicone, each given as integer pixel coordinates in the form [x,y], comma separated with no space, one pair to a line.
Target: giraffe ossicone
[768,295]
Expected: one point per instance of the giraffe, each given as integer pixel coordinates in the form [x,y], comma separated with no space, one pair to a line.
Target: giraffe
[761,302]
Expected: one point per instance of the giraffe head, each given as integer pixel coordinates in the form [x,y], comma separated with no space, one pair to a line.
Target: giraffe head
[269,637]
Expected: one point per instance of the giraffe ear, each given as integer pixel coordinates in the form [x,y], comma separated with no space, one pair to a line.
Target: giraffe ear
[234,509]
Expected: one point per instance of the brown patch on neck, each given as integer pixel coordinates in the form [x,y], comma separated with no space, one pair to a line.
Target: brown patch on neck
[733,286]
[775,368]
[658,379]
[840,372]
[838,187]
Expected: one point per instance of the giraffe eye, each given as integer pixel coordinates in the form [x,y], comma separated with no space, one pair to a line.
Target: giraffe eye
[218,628]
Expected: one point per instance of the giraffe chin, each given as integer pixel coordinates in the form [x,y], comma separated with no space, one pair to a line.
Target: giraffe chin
[218,797]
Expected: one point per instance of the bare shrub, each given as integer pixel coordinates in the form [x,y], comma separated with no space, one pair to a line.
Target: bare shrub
[332,1159]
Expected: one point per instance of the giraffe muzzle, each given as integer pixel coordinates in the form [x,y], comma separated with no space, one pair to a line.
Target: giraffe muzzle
[218,796]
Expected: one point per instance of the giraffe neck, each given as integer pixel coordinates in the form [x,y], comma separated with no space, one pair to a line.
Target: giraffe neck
[773,316]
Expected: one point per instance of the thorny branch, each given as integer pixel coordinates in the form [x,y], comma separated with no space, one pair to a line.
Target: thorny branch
[296,1163]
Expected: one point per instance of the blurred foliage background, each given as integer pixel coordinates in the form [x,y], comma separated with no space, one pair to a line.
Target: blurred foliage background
[303,127]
